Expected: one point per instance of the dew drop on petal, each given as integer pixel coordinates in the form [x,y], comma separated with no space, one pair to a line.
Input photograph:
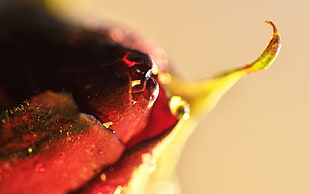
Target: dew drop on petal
[30,150]
[118,190]
[150,160]
[103,177]
[107,124]
[100,152]
[179,107]
[39,167]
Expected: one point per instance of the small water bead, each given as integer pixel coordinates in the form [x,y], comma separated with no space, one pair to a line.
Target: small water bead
[118,190]
[30,150]
[150,160]
[107,124]
[39,167]
[179,107]
[103,177]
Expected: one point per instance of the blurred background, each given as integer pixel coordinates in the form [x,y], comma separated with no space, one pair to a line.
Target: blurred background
[257,139]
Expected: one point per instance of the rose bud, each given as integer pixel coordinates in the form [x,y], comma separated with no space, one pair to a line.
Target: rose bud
[95,110]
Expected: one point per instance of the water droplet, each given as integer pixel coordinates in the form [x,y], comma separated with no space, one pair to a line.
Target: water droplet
[118,190]
[103,177]
[149,159]
[30,150]
[179,107]
[135,83]
[39,167]
[100,152]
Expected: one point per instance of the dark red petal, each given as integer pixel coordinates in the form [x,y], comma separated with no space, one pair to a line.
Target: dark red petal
[106,79]
[118,175]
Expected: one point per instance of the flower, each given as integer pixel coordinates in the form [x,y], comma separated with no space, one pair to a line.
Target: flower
[95,110]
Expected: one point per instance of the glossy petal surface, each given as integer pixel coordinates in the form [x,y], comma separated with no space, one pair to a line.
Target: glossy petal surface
[53,145]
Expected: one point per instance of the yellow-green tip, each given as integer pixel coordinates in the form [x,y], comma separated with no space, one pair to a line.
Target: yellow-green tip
[203,95]
[268,55]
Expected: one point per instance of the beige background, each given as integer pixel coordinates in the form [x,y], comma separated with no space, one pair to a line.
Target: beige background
[257,139]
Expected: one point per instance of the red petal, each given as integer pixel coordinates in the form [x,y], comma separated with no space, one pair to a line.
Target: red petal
[160,120]
[141,147]
[119,175]
[61,161]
